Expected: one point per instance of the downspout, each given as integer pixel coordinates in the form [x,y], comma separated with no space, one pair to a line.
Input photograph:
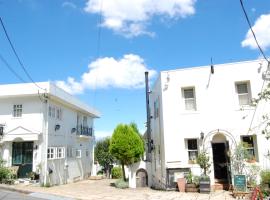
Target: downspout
[45,132]
[148,122]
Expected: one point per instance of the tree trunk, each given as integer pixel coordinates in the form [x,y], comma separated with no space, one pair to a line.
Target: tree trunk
[123,170]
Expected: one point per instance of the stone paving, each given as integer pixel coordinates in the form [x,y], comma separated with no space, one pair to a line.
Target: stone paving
[102,190]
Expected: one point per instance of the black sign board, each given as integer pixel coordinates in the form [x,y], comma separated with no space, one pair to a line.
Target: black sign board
[240,183]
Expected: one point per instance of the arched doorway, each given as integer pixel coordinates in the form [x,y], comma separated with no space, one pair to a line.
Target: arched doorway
[221,160]
[141,178]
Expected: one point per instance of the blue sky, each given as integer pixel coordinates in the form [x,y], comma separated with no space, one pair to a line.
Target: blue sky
[59,40]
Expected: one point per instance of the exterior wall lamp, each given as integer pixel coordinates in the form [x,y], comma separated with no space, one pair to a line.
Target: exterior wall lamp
[57,127]
[202,135]
[73,130]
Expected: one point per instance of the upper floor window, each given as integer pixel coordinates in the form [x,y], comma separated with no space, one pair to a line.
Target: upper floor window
[189,97]
[59,113]
[52,111]
[156,109]
[243,91]
[192,146]
[78,153]
[17,110]
[84,121]
[248,143]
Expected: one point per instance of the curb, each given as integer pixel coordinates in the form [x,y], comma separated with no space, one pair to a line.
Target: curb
[9,188]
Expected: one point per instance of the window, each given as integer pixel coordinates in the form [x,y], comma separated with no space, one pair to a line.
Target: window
[17,110]
[60,152]
[69,152]
[243,92]
[52,111]
[78,153]
[248,142]
[59,113]
[84,121]
[156,109]
[51,153]
[189,97]
[192,149]
[87,153]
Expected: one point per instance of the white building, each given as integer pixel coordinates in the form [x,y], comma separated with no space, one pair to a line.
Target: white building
[202,108]
[48,131]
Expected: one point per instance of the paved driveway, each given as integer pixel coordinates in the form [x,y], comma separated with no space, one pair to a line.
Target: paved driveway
[101,190]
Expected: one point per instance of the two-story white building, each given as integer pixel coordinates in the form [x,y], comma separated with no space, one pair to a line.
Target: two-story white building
[46,131]
[206,108]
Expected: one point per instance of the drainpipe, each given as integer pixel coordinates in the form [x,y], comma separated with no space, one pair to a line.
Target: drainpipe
[148,122]
[45,132]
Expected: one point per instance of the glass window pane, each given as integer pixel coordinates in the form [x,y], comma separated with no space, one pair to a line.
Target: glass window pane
[242,88]
[192,155]
[188,93]
[192,144]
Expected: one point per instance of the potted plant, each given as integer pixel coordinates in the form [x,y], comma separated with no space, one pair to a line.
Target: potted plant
[204,162]
[191,185]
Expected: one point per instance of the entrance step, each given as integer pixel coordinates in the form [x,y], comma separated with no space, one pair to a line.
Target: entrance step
[221,186]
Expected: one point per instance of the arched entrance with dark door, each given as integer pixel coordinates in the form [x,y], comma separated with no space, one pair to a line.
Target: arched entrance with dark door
[221,160]
[141,178]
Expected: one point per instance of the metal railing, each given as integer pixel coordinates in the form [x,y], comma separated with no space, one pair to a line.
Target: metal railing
[84,130]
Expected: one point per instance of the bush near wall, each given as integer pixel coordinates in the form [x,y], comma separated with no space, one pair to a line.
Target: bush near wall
[265,176]
[117,172]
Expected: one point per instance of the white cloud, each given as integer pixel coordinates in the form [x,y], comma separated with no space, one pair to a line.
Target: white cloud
[108,72]
[69,4]
[130,18]
[262,32]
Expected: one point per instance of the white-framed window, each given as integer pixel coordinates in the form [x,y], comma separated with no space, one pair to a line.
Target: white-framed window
[69,152]
[17,110]
[189,98]
[244,94]
[87,153]
[51,153]
[78,153]
[59,113]
[84,121]
[60,152]
[52,111]
[156,108]
[249,145]
[192,147]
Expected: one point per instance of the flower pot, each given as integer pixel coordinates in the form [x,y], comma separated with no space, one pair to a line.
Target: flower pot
[181,182]
[205,186]
[191,187]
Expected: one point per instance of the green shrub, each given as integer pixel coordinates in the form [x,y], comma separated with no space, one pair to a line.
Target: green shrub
[5,173]
[117,172]
[120,183]
[100,172]
[265,176]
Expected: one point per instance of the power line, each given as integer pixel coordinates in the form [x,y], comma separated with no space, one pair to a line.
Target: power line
[255,38]
[18,58]
[11,69]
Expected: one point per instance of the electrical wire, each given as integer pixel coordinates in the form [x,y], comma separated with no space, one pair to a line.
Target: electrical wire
[18,58]
[255,38]
[11,69]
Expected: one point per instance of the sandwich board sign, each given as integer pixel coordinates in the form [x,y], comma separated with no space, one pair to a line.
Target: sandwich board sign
[240,183]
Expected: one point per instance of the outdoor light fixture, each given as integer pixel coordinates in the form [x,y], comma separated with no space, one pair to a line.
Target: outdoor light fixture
[57,127]
[202,135]
[73,130]
[35,147]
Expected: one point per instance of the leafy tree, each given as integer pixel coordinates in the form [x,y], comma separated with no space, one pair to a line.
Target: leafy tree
[126,145]
[204,161]
[103,155]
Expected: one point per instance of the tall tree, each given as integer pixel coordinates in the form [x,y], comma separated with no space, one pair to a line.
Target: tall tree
[103,155]
[126,145]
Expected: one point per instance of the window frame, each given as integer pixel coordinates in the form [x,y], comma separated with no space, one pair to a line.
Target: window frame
[187,100]
[252,156]
[192,150]
[78,153]
[243,94]
[17,110]
[60,152]
[51,153]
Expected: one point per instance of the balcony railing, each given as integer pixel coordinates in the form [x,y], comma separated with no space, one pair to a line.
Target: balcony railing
[85,131]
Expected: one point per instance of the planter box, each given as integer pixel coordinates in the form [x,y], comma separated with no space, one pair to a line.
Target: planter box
[205,186]
[191,187]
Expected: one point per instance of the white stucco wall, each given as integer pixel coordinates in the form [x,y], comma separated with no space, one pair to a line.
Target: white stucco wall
[217,109]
